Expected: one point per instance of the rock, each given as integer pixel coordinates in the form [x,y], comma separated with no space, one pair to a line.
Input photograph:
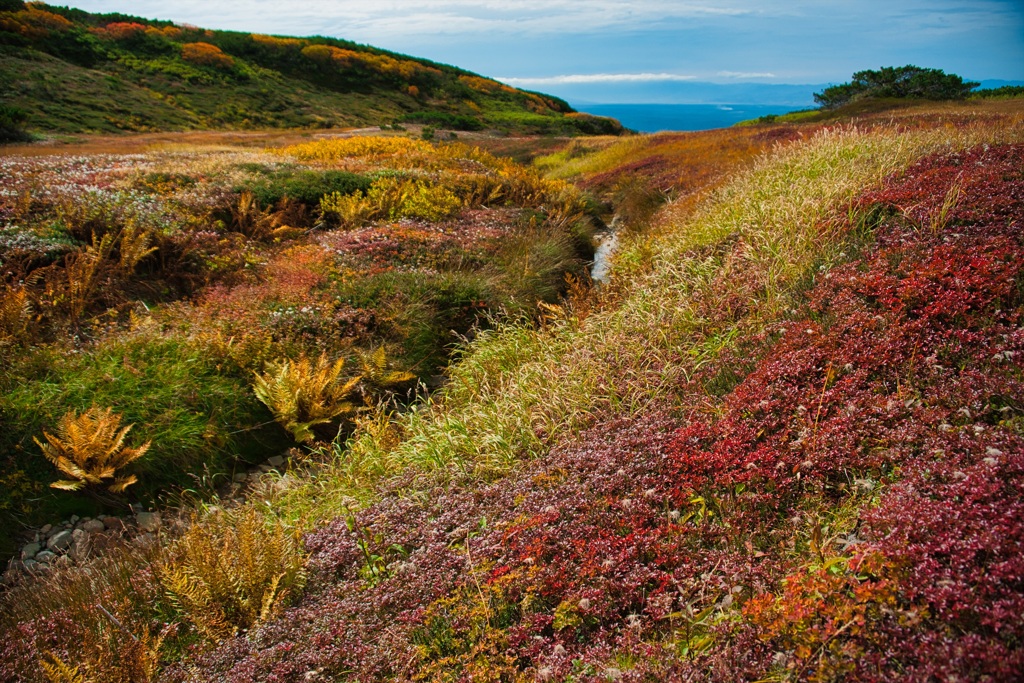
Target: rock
[115,523]
[45,557]
[275,461]
[80,548]
[29,550]
[240,477]
[30,565]
[59,541]
[93,526]
[74,519]
[46,529]
[148,521]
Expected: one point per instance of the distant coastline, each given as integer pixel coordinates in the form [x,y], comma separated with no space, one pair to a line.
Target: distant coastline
[651,118]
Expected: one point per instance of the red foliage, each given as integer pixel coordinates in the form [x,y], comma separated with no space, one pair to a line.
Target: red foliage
[119,30]
[901,385]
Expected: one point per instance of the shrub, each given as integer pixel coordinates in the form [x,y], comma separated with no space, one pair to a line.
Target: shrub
[307,187]
[901,82]
[89,448]
[12,122]
[206,54]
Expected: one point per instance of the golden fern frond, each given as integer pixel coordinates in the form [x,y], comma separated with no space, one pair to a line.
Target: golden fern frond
[56,671]
[232,571]
[14,314]
[68,485]
[302,394]
[121,483]
[89,448]
[134,246]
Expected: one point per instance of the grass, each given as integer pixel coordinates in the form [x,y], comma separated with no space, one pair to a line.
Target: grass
[728,272]
[689,295]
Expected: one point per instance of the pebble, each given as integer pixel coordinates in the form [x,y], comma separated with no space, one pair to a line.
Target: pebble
[93,526]
[29,550]
[275,461]
[45,556]
[240,477]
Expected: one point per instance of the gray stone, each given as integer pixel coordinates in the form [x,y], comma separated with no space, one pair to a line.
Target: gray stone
[59,541]
[93,526]
[46,529]
[80,548]
[240,477]
[148,521]
[74,519]
[275,461]
[45,557]
[30,565]
[29,550]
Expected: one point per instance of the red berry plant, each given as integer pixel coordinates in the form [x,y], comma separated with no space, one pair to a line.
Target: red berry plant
[851,509]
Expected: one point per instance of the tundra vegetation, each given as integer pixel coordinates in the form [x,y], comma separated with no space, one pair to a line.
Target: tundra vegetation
[784,443]
[68,71]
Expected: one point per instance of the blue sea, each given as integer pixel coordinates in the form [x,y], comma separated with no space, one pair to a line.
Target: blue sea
[651,118]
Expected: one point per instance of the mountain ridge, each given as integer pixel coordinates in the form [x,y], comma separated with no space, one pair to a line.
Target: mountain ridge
[71,71]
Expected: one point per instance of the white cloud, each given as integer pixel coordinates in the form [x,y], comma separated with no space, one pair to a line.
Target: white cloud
[367,21]
[596,78]
[746,74]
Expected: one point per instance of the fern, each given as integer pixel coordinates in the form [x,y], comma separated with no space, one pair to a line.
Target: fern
[14,315]
[89,449]
[134,246]
[233,571]
[302,394]
[56,671]
[377,377]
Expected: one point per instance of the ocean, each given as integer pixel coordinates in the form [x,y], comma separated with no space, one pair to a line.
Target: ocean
[651,118]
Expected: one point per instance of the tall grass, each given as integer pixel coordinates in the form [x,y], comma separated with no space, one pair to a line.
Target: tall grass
[726,272]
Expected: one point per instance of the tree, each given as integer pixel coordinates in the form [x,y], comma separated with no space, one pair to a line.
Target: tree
[911,82]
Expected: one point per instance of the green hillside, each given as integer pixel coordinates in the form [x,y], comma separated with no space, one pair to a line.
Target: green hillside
[69,71]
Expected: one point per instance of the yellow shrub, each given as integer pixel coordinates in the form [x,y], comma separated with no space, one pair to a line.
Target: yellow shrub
[361,147]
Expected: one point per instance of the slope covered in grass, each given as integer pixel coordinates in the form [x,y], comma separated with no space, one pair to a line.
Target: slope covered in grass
[728,467]
[70,71]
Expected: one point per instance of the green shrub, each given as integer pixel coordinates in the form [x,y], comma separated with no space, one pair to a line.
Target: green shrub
[307,187]
[12,121]
[442,119]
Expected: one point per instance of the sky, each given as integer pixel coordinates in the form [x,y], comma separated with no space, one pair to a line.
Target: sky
[628,50]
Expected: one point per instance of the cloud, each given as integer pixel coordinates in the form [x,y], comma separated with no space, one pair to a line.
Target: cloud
[361,20]
[595,78]
[746,74]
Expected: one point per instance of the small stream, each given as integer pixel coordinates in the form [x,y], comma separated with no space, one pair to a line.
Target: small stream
[607,243]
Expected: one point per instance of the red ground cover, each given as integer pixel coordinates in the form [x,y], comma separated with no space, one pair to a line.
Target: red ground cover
[854,511]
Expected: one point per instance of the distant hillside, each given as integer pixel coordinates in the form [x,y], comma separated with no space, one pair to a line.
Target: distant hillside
[66,70]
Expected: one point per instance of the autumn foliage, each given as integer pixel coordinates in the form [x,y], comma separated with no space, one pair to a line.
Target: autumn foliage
[206,54]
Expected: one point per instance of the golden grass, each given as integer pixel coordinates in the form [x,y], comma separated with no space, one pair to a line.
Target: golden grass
[728,271]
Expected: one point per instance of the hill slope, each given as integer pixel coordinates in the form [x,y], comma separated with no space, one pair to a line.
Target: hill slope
[72,71]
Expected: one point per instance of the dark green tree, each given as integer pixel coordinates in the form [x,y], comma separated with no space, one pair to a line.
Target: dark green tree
[910,82]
